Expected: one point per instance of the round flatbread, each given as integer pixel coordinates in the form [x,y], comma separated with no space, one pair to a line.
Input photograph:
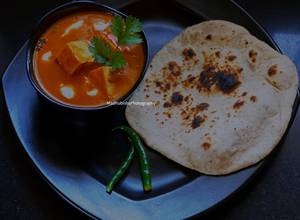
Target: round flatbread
[222,98]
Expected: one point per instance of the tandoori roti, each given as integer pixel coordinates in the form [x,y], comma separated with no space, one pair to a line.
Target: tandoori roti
[222,98]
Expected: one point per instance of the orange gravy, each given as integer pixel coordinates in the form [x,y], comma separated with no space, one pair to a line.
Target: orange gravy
[51,77]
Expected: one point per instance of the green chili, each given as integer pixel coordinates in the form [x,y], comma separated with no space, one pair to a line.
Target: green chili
[120,172]
[143,159]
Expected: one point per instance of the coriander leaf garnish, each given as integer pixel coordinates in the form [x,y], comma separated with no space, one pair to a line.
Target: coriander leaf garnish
[117,60]
[131,39]
[98,58]
[133,25]
[117,26]
[100,50]
[103,54]
[126,30]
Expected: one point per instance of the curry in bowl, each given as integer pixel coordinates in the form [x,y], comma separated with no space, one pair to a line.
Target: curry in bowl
[89,58]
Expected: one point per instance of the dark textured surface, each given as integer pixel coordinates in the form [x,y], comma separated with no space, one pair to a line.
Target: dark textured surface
[274,193]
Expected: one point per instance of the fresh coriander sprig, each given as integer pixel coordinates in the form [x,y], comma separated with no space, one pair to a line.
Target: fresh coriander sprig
[127,30]
[103,54]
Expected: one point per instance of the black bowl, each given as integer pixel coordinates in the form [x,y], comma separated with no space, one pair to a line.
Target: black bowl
[44,24]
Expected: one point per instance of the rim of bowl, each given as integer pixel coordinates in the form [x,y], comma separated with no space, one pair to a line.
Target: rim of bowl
[50,18]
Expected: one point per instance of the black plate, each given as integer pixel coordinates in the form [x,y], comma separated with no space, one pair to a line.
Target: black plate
[78,159]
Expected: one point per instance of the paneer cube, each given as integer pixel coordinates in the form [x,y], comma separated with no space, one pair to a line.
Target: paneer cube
[74,55]
[101,76]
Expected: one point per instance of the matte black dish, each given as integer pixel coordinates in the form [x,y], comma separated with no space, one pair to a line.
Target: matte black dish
[77,161]
[50,18]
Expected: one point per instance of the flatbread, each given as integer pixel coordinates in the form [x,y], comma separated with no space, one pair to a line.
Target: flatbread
[223,99]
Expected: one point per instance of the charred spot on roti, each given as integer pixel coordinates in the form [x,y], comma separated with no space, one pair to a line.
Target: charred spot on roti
[190,64]
[238,104]
[162,87]
[185,115]
[205,145]
[231,57]
[175,83]
[188,83]
[176,98]
[240,70]
[191,79]
[171,75]
[202,106]
[167,86]
[217,77]
[227,82]
[208,37]
[188,53]
[272,70]
[183,112]
[158,83]
[174,68]
[218,54]
[244,93]
[253,98]
[167,105]
[197,121]
[252,55]
[272,83]
[168,114]
[208,77]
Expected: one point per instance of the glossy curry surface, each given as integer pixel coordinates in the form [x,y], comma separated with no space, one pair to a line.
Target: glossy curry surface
[86,86]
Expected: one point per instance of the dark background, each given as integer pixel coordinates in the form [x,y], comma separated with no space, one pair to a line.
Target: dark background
[273,194]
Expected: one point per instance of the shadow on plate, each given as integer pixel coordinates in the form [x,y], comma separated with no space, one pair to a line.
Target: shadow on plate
[90,145]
